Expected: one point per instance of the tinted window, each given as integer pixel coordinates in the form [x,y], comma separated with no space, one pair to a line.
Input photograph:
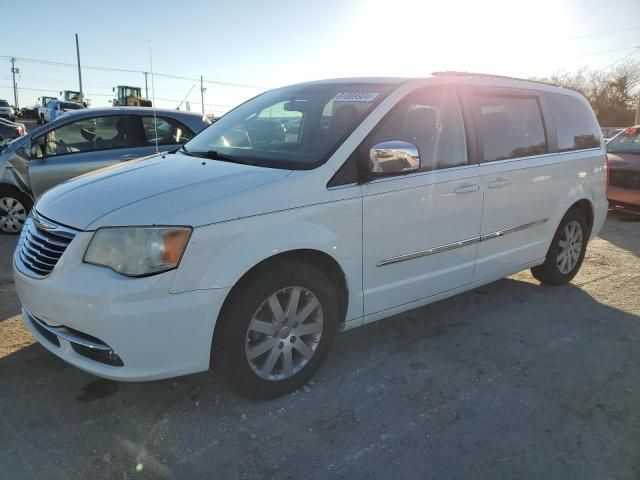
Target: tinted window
[88,134]
[509,127]
[167,130]
[4,103]
[574,123]
[430,119]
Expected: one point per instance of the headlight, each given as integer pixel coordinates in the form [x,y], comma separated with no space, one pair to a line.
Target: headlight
[138,251]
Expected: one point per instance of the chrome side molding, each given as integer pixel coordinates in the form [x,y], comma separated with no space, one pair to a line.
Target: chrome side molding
[501,233]
[430,251]
[460,244]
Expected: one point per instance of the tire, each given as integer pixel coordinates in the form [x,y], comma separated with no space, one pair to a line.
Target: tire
[14,208]
[269,374]
[563,261]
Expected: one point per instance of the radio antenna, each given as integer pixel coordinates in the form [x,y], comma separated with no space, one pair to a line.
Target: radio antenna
[153,98]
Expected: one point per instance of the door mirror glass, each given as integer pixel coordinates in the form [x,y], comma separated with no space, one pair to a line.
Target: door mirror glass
[36,149]
[393,157]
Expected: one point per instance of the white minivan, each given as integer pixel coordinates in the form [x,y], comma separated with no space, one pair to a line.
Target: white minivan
[310,209]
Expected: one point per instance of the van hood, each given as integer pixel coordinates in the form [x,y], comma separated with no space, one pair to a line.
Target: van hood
[151,191]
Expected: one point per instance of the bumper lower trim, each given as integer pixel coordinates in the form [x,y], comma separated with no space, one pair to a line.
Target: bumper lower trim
[83,344]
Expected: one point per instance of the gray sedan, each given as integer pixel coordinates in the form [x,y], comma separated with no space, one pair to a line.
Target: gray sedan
[79,142]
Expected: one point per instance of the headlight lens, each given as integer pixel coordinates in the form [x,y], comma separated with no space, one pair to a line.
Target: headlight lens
[138,251]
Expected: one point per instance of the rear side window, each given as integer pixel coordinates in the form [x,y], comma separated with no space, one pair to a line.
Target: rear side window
[509,127]
[574,123]
[167,130]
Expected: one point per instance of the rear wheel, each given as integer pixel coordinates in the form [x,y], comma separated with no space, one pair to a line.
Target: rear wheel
[14,208]
[567,250]
[277,330]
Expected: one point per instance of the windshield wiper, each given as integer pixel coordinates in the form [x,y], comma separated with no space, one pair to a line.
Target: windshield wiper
[214,155]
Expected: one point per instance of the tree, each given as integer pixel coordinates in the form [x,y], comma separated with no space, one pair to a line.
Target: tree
[610,92]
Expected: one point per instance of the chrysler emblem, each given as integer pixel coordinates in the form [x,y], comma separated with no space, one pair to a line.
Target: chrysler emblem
[42,225]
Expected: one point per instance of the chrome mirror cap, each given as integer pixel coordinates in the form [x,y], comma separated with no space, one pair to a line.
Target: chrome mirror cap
[393,157]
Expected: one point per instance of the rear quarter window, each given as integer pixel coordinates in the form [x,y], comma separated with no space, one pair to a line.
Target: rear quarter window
[575,127]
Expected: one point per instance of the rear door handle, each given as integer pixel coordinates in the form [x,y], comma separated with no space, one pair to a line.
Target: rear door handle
[467,188]
[124,158]
[499,183]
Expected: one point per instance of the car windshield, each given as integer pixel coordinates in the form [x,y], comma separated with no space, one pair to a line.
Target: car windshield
[628,141]
[70,106]
[4,103]
[295,127]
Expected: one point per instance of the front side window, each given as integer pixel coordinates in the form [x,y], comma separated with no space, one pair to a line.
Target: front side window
[628,141]
[167,131]
[87,134]
[509,127]
[294,127]
[431,120]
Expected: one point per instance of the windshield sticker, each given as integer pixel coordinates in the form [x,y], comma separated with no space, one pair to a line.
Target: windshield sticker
[355,97]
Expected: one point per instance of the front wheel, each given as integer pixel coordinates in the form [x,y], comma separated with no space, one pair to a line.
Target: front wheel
[567,250]
[277,330]
[14,208]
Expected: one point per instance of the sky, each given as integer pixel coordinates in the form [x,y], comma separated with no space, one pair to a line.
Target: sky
[266,44]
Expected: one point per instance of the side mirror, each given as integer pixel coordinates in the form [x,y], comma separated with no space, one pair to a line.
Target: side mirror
[392,158]
[36,151]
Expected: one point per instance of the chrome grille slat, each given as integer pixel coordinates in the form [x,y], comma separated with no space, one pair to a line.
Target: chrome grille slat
[39,253]
[35,259]
[42,247]
[42,243]
[36,233]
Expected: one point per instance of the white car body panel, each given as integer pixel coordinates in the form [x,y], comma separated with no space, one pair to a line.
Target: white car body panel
[243,215]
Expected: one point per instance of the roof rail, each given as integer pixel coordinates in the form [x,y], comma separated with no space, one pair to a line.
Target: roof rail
[453,73]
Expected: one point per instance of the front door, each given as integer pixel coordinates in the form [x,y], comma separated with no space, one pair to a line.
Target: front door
[420,230]
[80,146]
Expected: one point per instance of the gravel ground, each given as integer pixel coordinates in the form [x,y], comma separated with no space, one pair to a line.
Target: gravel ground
[512,380]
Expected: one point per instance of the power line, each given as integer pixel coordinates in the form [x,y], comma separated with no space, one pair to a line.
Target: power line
[599,34]
[637,49]
[109,95]
[125,70]
[602,52]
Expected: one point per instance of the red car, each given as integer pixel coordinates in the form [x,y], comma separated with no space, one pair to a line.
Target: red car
[623,188]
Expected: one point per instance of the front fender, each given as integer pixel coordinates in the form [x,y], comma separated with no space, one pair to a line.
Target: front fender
[219,255]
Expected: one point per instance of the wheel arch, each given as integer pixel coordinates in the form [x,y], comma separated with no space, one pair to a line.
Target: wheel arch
[317,258]
[586,207]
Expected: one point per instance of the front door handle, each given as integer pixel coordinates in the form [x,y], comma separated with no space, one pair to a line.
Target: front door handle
[127,157]
[467,188]
[499,183]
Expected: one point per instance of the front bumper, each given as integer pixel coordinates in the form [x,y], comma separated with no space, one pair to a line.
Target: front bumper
[155,334]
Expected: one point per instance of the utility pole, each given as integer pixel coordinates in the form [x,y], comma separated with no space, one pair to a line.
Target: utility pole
[637,122]
[14,70]
[146,86]
[202,90]
[79,70]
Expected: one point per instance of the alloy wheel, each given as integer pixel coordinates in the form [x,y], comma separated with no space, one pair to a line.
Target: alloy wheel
[569,247]
[284,333]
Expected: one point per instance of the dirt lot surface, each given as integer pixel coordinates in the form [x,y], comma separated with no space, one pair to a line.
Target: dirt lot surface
[512,380]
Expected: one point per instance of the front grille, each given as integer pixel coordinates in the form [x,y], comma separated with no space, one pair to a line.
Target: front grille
[42,243]
[628,179]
